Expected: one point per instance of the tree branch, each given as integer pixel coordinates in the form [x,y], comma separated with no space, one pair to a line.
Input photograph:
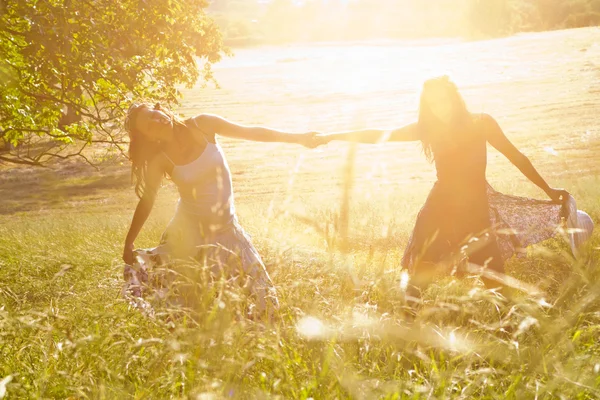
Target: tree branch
[79,108]
[21,161]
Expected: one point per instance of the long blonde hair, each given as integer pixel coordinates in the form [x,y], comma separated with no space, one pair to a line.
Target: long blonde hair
[141,150]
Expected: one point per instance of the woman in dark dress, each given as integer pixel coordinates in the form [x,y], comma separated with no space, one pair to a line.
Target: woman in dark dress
[463,217]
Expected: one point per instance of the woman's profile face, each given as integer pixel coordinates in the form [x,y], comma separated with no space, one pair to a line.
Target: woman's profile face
[155,125]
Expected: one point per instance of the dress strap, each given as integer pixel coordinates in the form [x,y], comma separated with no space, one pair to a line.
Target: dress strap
[203,133]
[168,158]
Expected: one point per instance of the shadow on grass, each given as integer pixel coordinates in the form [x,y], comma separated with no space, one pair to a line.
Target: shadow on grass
[33,189]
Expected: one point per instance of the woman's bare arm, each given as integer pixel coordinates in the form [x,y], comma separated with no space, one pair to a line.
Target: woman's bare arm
[143,209]
[215,124]
[406,133]
[496,137]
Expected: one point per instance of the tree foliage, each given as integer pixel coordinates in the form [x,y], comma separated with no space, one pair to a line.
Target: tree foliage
[69,68]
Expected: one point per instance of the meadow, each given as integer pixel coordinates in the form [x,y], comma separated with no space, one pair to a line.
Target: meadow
[343,330]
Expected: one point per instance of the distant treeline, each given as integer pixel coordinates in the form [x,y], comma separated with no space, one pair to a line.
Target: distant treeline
[249,22]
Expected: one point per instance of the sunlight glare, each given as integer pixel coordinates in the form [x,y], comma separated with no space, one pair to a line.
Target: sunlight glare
[550,150]
[385,137]
[452,340]
[206,396]
[525,325]
[310,327]
[361,319]
[459,343]
[507,231]
[544,303]
[404,279]
[3,383]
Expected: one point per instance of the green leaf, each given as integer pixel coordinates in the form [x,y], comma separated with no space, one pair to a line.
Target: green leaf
[79,55]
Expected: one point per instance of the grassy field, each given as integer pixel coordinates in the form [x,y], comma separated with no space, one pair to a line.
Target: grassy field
[342,331]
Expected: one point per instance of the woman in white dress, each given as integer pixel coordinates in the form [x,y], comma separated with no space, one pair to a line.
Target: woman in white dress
[205,225]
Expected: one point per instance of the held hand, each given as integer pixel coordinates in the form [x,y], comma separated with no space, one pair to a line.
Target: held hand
[559,196]
[322,139]
[128,254]
[308,140]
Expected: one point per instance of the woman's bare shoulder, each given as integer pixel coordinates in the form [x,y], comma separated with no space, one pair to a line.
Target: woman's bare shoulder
[203,124]
[484,122]
[482,118]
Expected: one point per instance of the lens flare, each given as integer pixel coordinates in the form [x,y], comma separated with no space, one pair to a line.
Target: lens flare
[452,340]
[550,149]
[404,279]
[310,327]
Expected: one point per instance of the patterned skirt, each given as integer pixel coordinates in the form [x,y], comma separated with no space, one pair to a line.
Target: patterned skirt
[224,251]
[503,224]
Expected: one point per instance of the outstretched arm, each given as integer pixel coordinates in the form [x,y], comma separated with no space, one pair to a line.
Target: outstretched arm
[216,124]
[496,137]
[142,211]
[405,134]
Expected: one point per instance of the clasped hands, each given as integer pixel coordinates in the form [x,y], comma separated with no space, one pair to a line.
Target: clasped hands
[313,140]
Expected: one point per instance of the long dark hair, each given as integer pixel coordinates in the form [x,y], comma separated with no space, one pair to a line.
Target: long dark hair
[433,131]
[142,150]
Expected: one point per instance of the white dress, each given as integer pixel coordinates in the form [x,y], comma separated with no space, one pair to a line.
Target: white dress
[204,229]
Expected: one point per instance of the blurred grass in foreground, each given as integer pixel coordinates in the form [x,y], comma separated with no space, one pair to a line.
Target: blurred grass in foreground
[342,331]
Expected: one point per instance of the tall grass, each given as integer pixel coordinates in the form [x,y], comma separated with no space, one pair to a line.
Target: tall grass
[345,329]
